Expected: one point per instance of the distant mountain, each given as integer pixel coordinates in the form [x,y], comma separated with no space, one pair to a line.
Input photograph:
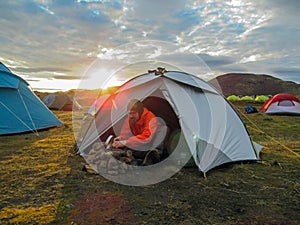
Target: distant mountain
[253,84]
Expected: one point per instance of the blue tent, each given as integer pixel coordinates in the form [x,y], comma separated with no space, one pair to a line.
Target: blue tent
[20,109]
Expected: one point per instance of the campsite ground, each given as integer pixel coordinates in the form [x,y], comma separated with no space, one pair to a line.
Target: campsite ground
[42,182]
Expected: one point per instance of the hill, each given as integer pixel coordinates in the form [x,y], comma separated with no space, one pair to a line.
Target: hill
[253,84]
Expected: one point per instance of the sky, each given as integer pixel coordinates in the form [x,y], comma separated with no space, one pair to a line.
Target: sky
[69,44]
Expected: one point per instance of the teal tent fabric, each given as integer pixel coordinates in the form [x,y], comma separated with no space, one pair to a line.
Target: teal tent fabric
[4,68]
[20,109]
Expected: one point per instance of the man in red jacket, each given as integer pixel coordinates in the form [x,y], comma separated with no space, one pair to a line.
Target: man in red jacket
[138,130]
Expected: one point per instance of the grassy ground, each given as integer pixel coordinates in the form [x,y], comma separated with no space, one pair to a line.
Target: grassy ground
[42,182]
[33,172]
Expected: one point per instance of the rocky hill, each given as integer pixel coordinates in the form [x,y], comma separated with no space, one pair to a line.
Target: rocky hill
[253,84]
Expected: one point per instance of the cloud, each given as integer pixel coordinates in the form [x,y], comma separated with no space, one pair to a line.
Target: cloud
[251,58]
[41,69]
[216,61]
[288,73]
[67,77]
[282,9]
[156,9]
[43,39]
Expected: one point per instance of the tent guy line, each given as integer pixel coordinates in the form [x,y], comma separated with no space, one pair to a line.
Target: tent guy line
[255,127]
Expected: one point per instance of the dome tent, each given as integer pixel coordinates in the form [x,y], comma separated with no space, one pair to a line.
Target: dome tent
[246,98]
[233,98]
[282,103]
[184,100]
[61,101]
[20,109]
[261,98]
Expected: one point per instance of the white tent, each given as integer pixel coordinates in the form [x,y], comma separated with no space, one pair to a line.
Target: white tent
[212,130]
[97,104]
[61,101]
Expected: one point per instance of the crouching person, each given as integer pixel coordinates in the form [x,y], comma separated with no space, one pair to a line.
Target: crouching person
[142,133]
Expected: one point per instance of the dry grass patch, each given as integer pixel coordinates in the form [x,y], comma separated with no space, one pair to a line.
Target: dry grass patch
[32,178]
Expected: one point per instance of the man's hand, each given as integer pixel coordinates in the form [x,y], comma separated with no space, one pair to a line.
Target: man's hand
[118,144]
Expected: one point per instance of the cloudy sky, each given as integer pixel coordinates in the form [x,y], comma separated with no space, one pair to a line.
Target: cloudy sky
[58,44]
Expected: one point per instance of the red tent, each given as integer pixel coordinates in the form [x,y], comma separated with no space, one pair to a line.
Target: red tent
[282,104]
